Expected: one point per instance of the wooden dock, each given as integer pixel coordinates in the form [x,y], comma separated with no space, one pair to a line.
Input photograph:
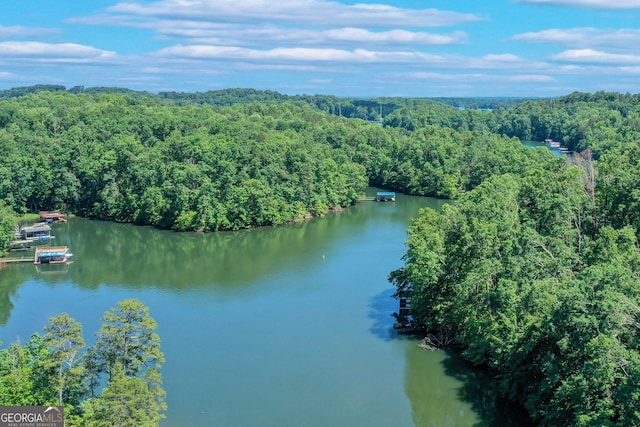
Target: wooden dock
[16,259]
[43,255]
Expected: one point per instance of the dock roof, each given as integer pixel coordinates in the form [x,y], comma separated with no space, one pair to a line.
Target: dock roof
[51,215]
[36,228]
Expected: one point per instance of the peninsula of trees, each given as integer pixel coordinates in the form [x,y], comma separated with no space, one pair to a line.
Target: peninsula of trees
[533,271]
[190,166]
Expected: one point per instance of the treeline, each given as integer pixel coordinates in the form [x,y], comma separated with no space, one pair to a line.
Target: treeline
[601,121]
[373,109]
[115,382]
[186,168]
[479,103]
[139,160]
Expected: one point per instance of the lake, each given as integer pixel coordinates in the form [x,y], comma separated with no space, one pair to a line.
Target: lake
[284,326]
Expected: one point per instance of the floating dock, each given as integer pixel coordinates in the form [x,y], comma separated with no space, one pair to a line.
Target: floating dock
[52,255]
[16,259]
[381,196]
[385,196]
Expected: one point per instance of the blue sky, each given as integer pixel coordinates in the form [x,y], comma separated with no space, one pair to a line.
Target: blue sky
[344,48]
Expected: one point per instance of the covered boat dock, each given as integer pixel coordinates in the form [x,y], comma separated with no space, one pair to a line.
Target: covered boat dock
[385,196]
[50,217]
[52,255]
[36,232]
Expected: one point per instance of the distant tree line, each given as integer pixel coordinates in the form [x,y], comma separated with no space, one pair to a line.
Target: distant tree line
[374,109]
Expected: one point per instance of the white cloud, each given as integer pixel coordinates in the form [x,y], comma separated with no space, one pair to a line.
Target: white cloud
[62,52]
[533,78]
[587,4]
[631,70]
[619,40]
[298,12]
[20,31]
[393,36]
[207,33]
[481,77]
[596,57]
[230,59]
[7,76]
[503,57]
[207,52]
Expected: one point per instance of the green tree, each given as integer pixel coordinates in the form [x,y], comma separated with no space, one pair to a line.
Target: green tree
[8,222]
[16,379]
[24,378]
[129,401]
[63,337]
[128,350]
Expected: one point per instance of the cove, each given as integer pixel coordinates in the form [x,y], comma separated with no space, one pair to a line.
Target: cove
[285,326]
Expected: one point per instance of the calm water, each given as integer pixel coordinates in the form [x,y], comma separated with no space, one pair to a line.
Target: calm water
[286,326]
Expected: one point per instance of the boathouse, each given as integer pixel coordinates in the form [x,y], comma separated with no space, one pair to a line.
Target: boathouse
[51,255]
[385,196]
[36,232]
[52,217]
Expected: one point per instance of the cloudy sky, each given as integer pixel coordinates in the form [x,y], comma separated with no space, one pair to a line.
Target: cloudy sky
[344,47]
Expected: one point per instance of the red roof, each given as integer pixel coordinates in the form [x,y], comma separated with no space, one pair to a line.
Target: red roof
[51,215]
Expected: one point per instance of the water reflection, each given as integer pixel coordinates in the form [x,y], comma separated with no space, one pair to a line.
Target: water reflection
[11,277]
[435,397]
[479,389]
[380,308]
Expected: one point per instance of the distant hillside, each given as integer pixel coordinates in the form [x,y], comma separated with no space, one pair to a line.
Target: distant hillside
[372,109]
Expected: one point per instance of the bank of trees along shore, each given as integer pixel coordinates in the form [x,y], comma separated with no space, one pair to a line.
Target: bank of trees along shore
[537,275]
[115,382]
[144,160]
[533,271]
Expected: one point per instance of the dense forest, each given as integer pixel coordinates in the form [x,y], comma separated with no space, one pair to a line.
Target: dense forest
[533,271]
[200,167]
[117,381]
[537,275]
[374,109]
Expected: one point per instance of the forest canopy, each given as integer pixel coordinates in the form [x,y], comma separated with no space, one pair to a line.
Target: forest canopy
[145,160]
[535,274]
